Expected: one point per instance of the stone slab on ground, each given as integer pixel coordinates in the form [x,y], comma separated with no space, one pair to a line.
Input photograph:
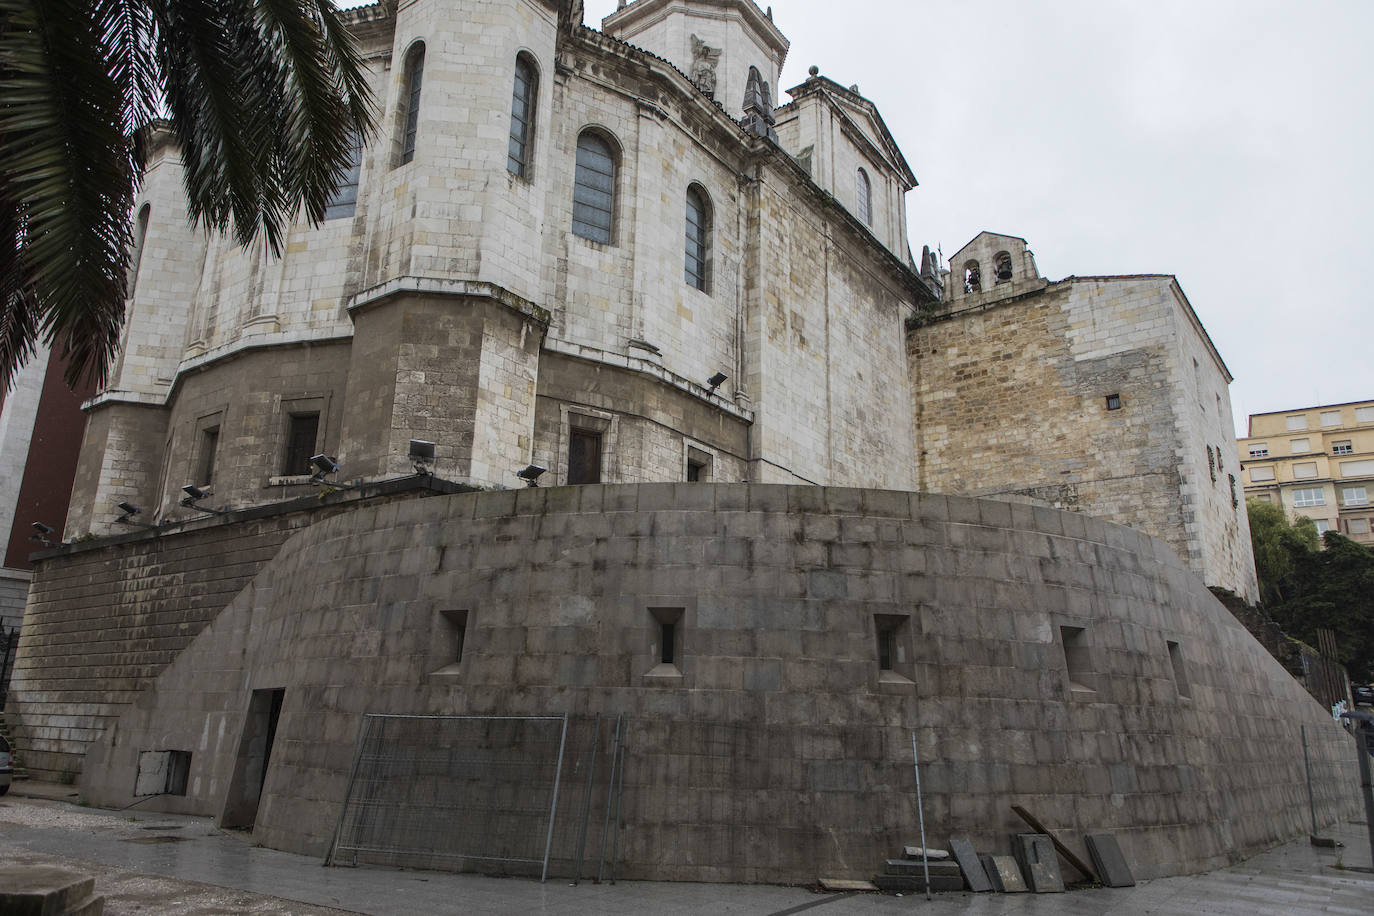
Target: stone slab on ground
[1039,862]
[917,867]
[1107,858]
[905,883]
[1004,874]
[40,890]
[846,884]
[974,875]
[914,852]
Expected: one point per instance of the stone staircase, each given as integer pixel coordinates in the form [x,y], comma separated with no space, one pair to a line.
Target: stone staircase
[46,890]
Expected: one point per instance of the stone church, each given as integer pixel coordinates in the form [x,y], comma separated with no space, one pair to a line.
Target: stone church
[799,498]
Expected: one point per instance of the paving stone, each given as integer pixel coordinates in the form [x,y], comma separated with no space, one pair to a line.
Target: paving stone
[846,884]
[974,875]
[1035,853]
[1004,874]
[1107,859]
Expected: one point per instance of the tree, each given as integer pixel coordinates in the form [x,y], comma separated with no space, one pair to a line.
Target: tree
[264,97]
[1334,589]
[1278,546]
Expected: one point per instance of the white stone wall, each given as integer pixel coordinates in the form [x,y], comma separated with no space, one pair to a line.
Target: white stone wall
[16,429]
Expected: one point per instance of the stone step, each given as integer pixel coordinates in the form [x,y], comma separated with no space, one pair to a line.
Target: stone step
[904,883]
[915,867]
[45,889]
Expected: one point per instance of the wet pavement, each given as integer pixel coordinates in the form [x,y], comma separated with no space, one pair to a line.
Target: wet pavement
[156,863]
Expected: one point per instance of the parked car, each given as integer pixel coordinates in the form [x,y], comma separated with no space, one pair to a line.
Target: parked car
[6,766]
[1364,695]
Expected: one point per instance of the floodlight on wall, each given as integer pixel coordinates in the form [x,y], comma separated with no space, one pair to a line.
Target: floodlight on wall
[716,380]
[421,456]
[194,493]
[44,534]
[324,465]
[130,510]
[530,474]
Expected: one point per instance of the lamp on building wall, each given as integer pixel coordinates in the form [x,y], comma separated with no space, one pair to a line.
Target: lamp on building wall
[44,534]
[715,381]
[195,493]
[130,510]
[324,466]
[422,456]
[530,474]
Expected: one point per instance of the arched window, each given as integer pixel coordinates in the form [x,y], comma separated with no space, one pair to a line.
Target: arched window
[136,255]
[594,188]
[1001,266]
[410,98]
[865,197]
[973,277]
[345,199]
[698,238]
[522,117]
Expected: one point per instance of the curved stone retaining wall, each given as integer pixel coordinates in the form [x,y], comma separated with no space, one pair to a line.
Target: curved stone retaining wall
[1041,658]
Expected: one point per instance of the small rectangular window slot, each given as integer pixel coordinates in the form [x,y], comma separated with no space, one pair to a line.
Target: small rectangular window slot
[1180,673]
[666,648]
[1113,402]
[162,773]
[451,641]
[1077,658]
[893,633]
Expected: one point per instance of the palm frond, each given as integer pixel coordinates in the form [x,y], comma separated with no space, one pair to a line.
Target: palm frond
[128,37]
[65,163]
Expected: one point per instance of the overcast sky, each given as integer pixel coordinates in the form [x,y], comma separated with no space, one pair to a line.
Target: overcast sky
[1228,143]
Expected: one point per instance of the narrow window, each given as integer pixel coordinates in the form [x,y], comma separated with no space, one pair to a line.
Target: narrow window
[894,652]
[344,203]
[1114,403]
[302,429]
[584,456]
[666,641]
[410,97]
[209,446]
[973,277]
[1001,266]
[448,642]
[865,197]
[698,235]
[140,235]
[1180,674]
[457,622]
[1076,657]
[521,118]
[593,189]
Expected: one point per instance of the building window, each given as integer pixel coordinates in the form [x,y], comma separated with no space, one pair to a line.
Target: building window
[1001,266]
[344,203]
[410,98]
[1331,418]
[140,235]
[1114,403]
[1305,470]
[450,641]
[1342,447]
[302,431]
[666,640]
[1354,496]
[584,456]
[895,664]
[1259,449]
[1304,497]
[162,773]
[1297,422]
[1357,526]
[1261,474]
[1263,497]
[522,117]
[1298,446]
[1180,673]
[1362,468]
[1322,524]
[1211,464]
[865,196]
[698,238]
[973,277]
[1077,658]
[1364,414]
[698,465]
[594,189]
[209,446]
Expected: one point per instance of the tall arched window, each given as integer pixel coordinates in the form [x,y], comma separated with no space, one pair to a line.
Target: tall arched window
[698,238]
[410,98]
[522,117]
[345,199]
[136,255]
[865,197]
[594,188]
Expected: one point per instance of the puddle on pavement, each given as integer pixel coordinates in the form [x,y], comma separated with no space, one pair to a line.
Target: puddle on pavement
[150,840]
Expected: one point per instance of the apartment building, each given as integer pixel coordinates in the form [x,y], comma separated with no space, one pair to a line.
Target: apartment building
[1315,461]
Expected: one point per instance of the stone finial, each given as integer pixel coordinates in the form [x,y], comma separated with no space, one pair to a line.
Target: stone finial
[758,107]
[813,71]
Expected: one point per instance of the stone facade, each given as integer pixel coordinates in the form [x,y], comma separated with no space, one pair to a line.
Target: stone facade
[1098,394]
[1161,720]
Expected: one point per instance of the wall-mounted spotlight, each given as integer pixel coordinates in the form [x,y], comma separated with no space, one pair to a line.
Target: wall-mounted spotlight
[130,510]
[530,474]
[422,456]
[715,381]
[324,466]
[194,493]
[44,534]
